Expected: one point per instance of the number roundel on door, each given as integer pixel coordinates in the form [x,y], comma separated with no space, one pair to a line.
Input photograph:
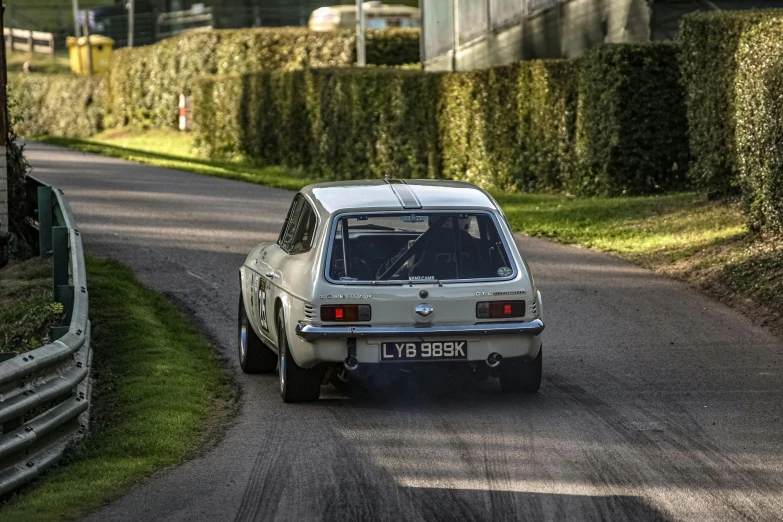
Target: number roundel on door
[262,302]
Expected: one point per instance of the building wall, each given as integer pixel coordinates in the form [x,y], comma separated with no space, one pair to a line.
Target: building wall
[525,31]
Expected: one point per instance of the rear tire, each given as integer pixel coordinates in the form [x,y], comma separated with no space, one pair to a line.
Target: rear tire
[296,383]
[517,376]
[254,355]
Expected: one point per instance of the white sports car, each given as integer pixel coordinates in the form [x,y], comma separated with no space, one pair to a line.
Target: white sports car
[384,275]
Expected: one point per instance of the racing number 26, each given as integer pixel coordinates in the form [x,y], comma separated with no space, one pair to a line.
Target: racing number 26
[262,302]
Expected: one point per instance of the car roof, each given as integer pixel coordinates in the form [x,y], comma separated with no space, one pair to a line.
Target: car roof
[373,9]
[416,194]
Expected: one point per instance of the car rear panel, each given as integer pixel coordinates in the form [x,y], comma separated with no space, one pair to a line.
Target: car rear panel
[451,303]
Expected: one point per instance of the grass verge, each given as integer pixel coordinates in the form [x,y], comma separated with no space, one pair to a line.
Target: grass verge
[60,63]
[159,394]
[27,307]
[704,243]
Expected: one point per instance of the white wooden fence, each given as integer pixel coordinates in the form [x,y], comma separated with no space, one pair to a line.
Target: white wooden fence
[24,40]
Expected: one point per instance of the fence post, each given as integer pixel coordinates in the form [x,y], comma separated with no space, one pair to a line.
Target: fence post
[45,221]
[60,256]
[64,296]
[63,292]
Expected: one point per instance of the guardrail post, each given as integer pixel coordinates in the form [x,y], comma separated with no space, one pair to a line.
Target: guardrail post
[58,331]
[60,256]
[45,221]
[63,292]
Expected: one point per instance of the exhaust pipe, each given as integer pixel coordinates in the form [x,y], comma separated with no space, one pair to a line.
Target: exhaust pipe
[494,360]
[351,363]
[480,373]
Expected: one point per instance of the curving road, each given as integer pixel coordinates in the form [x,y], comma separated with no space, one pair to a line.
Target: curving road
[657,403]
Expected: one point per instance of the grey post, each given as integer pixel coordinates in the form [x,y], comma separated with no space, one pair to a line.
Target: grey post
[361,56]
[87,41]
[130,22]
[45,221]
[76,31]
[59,257]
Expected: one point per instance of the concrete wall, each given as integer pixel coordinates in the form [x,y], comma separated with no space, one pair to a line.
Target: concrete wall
[566,30]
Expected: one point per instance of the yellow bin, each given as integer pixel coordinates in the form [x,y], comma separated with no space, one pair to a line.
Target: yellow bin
[102,47]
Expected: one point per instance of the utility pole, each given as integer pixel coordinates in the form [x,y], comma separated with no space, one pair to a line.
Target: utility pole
[76,31]
[130,8]
[87,41]
[361,57]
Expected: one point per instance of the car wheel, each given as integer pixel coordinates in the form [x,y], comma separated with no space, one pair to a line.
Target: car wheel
[517,376]
[254,355]
[296,384]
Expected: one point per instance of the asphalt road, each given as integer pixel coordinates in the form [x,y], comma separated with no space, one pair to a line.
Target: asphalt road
[657,402]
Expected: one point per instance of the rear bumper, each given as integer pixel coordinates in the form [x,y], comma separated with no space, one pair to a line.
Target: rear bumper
[312,333]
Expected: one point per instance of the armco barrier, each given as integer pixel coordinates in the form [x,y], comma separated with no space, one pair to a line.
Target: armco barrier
[45,393]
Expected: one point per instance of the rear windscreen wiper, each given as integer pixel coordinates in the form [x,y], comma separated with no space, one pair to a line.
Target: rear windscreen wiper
[422,281]
[371,226]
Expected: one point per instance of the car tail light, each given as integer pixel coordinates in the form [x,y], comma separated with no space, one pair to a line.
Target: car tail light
[346,313]
[500,309]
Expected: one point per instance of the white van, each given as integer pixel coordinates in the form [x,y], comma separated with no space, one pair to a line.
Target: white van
[377,14]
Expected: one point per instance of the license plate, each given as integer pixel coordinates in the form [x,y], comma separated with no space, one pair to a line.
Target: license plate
[424,351]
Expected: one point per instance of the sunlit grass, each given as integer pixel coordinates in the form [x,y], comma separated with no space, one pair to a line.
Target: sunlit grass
[41,63]
[174,150]
[168,142]
[638,227]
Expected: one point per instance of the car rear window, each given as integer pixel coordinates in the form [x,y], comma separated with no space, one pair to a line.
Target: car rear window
[421,246]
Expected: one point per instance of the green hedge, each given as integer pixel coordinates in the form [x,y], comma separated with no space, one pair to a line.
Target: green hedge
[710,42]
[145,83]
[511,127]
[507,127]
[18,203]
[759,125]
[633,130]
[59,104]
[342,124]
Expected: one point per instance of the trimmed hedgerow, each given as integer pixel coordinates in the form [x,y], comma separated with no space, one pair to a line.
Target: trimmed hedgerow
[507,127]
[633,131]
[341,124]
[511,127]
[62,105]
[145,83]
[759,125]
[710,42]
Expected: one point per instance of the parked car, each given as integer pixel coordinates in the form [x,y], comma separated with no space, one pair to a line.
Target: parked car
[378,16]
[385,275]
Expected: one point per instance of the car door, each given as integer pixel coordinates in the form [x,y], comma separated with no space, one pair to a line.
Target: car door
[272,260]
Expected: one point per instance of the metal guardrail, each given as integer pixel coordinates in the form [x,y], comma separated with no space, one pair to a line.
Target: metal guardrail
[27,41]
[45,393]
